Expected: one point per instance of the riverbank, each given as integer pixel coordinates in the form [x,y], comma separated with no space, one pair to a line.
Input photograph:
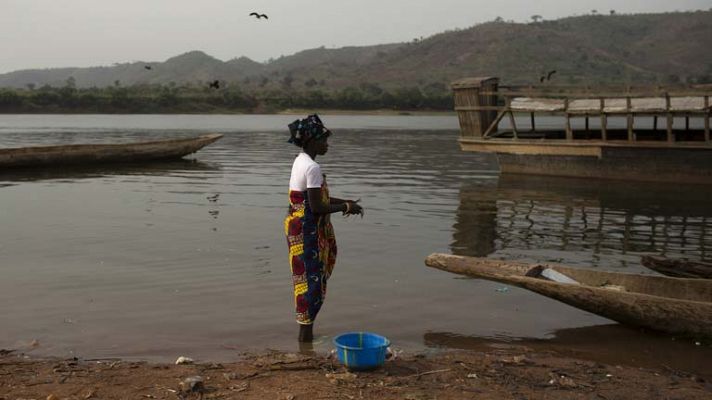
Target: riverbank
[508,373]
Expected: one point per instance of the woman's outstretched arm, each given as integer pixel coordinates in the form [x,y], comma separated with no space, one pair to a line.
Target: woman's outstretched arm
[335,205]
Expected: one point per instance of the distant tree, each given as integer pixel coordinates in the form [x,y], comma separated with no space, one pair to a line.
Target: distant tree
[71,82]
[117,83]
[499,19]
[287,81]
[30,86]
[311,82]
[9,99]
[673,78]
[370,89]
[612,12]
[594,11]
[536,18]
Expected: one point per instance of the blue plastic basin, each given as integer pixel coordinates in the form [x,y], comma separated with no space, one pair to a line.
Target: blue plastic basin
[361,350]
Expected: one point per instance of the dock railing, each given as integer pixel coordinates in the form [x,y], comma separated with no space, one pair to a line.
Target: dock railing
[481,104]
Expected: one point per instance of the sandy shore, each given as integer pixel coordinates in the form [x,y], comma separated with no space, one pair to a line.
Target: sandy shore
[495,374]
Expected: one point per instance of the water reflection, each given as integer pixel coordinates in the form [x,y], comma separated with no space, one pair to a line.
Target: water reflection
[623,345]
[591,222]
[76,172]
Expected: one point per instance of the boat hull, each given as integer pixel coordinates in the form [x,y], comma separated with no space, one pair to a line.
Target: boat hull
[680,306]
[44,156]
[653,162]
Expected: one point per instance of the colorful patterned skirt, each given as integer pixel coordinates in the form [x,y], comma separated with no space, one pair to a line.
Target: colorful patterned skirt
[312,253]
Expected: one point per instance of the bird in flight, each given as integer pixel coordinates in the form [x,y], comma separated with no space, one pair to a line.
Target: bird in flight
[547,77]
[259,16]
[215,84]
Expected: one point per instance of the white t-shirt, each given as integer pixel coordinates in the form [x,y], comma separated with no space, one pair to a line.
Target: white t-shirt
[306,174]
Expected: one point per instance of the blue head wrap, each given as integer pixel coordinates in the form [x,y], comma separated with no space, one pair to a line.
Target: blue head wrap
[304,130]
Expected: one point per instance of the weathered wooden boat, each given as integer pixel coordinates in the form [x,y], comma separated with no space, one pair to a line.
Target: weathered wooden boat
[681,268]
[674,305]
[43,156]
[582,140]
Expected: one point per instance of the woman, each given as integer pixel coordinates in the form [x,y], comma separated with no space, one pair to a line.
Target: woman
[310,236]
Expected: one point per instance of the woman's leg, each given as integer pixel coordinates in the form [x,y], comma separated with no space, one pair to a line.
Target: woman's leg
[305,332]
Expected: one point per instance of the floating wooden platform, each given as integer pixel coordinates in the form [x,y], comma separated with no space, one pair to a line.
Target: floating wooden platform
[674,305]
[662,152]
[80,154]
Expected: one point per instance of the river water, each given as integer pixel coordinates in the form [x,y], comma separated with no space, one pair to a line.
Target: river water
[137,262]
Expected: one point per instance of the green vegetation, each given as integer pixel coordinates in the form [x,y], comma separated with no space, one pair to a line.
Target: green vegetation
[191,99]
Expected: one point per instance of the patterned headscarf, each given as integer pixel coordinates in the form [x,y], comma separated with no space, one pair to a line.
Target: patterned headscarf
[304,130]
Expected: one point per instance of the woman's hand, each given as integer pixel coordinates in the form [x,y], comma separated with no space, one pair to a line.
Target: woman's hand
[353,208]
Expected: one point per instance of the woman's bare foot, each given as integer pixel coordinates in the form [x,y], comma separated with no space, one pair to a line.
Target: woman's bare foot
[305,333]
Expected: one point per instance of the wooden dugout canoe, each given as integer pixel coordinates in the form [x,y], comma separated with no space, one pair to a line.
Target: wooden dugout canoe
[674,305]
[44,156]
[681,268]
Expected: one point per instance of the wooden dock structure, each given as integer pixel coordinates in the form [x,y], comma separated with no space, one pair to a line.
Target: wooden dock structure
[660,151]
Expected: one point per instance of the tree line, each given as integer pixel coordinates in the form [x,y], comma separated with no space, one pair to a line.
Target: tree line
[192,99]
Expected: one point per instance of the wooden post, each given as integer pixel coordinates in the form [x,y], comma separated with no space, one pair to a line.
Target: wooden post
[707,119]
[604,120]
[494,123]
[687,123]
[655,122]
[669,117]
[511,118]
[569,132]
[532,119]
[631,137]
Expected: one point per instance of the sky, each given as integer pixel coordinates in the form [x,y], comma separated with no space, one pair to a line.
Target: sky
[82,33]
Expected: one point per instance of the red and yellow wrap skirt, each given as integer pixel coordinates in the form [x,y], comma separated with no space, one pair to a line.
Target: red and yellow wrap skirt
[312,253]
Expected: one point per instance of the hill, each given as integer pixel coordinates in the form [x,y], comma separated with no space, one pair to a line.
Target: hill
[592,49]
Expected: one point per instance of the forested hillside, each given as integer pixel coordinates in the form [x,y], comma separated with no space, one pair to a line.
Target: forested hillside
[591,49]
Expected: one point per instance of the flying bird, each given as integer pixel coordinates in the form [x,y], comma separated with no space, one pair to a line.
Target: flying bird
[259,16]
[148,67]
[215,84]
[547,77]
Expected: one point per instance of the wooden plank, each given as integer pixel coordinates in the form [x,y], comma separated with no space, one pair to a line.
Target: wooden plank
[619,92]
[494,124]
[532,119]
[604,120]
[569,132]
[669,118]
[631,135]
[479,108]
[508,106]
[707,119]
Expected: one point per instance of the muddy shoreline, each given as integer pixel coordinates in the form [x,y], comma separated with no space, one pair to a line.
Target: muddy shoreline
[509,373]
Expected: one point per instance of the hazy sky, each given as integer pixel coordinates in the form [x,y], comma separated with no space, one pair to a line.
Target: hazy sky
[63,33]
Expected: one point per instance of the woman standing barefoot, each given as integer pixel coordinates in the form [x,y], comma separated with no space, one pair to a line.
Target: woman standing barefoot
[310,236]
